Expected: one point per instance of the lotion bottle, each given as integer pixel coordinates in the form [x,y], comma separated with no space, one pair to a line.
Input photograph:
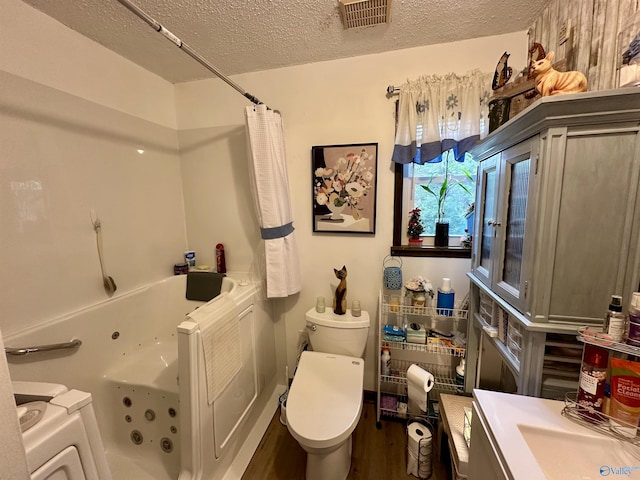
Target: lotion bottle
[445,299]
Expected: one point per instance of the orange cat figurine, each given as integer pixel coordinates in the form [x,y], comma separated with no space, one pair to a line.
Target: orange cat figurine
[340,298]
[549,81]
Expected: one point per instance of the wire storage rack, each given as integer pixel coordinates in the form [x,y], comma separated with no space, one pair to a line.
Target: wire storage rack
[440,353]
[598,421]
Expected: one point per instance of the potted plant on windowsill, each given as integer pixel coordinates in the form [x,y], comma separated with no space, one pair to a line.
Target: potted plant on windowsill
[442,224]
[415,228]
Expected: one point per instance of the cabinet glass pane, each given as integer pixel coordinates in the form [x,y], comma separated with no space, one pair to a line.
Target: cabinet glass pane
[517,210]
[489,216]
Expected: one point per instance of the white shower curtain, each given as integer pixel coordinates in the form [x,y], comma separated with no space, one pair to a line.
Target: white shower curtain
[270,188]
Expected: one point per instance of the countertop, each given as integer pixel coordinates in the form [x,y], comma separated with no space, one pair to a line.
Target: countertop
[452,412]
[515,420]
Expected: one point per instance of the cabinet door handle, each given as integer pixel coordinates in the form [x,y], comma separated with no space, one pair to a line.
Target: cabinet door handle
[493,224]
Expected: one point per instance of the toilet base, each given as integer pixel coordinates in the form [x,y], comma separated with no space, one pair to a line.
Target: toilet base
[334,465]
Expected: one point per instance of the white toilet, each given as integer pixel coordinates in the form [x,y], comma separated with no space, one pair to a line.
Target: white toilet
[325,399]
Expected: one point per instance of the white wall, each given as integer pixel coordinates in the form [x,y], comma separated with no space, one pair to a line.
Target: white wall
[38,48]
[72,116]
[326,103]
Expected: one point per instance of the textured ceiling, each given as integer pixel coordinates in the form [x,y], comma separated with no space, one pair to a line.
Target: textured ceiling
[239,36]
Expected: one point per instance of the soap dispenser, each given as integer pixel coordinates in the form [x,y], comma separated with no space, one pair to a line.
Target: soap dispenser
[444,302]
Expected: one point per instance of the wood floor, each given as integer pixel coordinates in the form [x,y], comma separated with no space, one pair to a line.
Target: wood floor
[377,454]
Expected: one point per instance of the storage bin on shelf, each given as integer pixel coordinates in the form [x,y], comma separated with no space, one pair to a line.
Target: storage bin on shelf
[514,339]
[503,324]
[486,308]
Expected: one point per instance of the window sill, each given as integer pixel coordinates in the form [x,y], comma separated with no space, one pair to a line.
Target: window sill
[430,251]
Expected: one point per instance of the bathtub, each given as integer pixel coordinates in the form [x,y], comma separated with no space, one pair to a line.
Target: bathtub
[151,407]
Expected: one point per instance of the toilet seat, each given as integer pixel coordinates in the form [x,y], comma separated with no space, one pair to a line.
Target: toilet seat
[325,400]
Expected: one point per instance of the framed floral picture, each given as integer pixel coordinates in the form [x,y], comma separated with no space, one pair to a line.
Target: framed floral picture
[344,188]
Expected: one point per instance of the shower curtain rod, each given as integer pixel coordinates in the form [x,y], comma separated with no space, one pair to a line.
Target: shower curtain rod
[187,49]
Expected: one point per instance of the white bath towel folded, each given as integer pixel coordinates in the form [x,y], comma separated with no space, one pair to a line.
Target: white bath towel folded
[220,333]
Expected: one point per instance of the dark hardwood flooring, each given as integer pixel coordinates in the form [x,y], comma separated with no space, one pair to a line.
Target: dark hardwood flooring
[377,454]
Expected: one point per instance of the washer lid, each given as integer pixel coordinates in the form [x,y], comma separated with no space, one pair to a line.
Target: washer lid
[330,319]
[325,400]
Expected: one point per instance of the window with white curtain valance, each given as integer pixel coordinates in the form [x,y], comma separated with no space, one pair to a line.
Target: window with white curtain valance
[438,113]
[438,117]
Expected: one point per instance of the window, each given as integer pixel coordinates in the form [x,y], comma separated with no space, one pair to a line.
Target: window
[439,118]
[409,194]
[457,199]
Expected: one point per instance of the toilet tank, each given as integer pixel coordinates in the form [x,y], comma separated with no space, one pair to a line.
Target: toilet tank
[339,334]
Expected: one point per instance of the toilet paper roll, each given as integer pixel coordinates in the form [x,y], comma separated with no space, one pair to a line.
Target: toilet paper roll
[420,468]
[412,466]
[419,383]
[418,376]
[419,439]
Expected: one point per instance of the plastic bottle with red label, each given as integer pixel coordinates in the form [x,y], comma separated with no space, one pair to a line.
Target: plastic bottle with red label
[221,265]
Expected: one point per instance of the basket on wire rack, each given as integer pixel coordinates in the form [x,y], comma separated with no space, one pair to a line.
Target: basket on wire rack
[420,437]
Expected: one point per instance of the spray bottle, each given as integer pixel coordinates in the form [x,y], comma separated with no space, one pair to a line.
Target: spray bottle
[615,323]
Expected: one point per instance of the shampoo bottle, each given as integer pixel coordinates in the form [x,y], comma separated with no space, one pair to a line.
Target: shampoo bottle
[221,264]
[445,299]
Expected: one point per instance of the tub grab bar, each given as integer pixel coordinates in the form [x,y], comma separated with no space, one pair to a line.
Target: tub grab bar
[43,348]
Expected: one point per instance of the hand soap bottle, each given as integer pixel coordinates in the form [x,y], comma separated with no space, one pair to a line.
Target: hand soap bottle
[444,302]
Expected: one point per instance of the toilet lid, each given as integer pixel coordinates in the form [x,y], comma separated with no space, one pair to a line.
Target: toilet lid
[325,400]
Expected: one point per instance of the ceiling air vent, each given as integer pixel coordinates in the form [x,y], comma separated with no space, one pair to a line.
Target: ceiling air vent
[364,13]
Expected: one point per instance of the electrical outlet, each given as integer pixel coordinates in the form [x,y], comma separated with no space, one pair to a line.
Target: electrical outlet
[564,32]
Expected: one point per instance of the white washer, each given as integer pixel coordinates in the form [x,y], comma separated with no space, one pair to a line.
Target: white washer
[60,433]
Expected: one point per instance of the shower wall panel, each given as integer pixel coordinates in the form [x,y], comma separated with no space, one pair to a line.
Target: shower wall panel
[63,156]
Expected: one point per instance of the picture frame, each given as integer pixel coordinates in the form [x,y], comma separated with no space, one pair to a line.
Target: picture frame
[344,186]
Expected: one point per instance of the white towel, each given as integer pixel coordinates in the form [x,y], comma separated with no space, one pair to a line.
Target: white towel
[270,189]
[220,333]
